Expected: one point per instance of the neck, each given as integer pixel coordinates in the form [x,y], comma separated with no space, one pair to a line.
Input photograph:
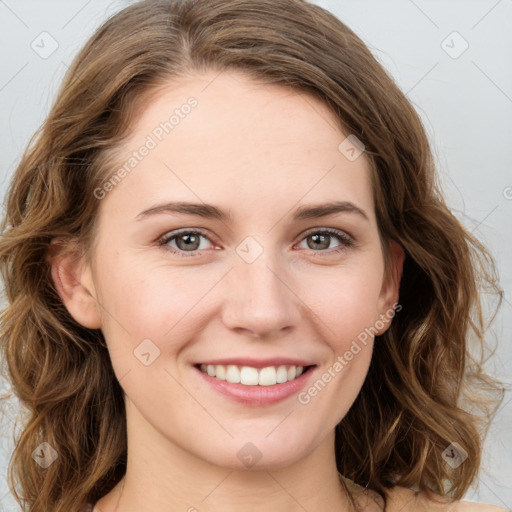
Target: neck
[162,476]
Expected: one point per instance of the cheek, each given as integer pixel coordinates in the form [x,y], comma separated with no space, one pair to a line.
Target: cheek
[346,305]
[145,299]
[345,300]
[151,301]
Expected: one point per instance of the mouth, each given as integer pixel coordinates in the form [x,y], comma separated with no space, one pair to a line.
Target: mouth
[252,376]
[257,386]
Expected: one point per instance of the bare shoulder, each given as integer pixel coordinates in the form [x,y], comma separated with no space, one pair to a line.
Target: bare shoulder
[401,499]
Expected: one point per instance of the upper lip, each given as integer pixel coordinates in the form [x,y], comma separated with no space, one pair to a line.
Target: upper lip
[258,363]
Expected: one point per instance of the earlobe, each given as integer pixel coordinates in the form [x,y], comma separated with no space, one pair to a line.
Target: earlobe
[74,284]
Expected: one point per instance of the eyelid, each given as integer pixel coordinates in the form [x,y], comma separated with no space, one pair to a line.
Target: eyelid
[335,231]
[346,239]
[171,235]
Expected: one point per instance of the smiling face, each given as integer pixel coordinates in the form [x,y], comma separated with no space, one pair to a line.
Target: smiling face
[248,277]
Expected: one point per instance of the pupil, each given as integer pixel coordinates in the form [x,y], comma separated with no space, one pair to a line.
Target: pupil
[188,240]
[320,238]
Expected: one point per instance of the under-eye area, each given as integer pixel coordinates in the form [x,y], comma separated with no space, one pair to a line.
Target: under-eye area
[320,240]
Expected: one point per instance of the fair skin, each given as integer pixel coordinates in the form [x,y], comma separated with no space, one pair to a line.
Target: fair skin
[259,153]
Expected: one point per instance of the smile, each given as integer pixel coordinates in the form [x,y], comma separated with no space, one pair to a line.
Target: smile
[257,386]
[250,376]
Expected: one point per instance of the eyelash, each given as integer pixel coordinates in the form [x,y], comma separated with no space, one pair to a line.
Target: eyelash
[346,240]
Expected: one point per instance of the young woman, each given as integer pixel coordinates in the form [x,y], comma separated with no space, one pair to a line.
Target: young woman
[233,283]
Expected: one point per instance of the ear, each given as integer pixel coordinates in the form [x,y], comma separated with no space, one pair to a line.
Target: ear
[73,282]
[390,287]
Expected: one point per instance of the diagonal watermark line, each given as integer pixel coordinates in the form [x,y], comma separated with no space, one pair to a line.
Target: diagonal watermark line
[492,81]
[198,301]
[334,334]
[286,491]
[76,76]
[125,374]
[312,187]
[227,227]
[76,14]
[6,411]
[3,3]
[497,497]
[14,76]
[486,14]
[505,404]
[200,404]
[492,211]
[280,423]
[216,487]
[212,80]
[424,14]
[422,78]
[327,121]
[406,508]
[375,497]
[460,193]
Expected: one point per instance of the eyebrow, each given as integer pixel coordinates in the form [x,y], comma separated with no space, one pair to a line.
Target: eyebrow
[209,211]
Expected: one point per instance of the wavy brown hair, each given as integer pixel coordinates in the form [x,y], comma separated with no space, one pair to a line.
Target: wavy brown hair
[425,388]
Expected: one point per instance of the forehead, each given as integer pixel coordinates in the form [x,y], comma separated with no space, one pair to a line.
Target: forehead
[224,138]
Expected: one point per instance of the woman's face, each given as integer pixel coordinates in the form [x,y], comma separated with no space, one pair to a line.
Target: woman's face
[246,278]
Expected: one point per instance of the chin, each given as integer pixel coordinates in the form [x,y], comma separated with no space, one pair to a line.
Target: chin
[257,452]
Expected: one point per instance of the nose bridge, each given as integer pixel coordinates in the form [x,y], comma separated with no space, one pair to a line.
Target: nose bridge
[259,298]
[259,268]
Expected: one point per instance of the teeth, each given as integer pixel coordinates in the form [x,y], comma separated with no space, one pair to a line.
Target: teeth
[250,376]
[282,374]
[267,376]
[233,374]
[220,372]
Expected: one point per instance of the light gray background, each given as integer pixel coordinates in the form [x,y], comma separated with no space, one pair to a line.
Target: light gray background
[464,99]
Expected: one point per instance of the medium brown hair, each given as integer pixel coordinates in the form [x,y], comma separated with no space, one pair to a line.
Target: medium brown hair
[424,389]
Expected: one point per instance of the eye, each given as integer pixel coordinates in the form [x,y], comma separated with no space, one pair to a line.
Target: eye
[321,240]
[187,241]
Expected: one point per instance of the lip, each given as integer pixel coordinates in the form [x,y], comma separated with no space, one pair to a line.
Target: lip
[257,396]
[259,363]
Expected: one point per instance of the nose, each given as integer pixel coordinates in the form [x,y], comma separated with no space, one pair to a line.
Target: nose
[259,299]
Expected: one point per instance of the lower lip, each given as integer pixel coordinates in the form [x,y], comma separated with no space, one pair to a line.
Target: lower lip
[258,395]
